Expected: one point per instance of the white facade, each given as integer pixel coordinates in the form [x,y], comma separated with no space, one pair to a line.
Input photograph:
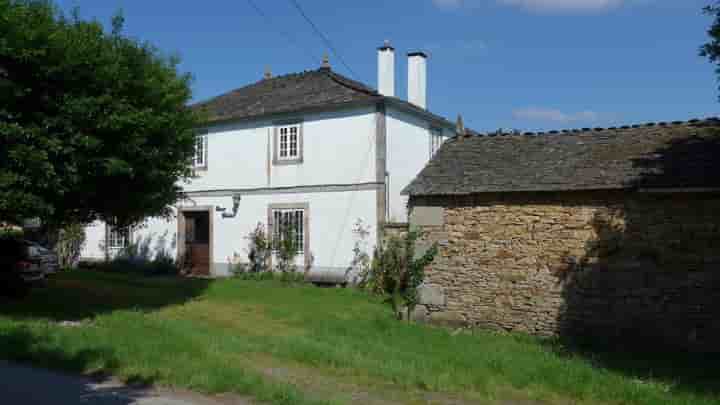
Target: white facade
[336,181]
[336,166]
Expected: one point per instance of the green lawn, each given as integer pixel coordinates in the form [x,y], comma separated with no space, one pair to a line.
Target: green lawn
[290,344]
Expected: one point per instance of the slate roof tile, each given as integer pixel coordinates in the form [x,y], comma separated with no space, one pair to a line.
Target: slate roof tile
[676,155]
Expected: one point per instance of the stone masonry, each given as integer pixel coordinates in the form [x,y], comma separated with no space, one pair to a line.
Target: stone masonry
[600,265]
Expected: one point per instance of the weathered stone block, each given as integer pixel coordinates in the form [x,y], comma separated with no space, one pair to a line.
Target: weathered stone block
[427,216]
[429,294]
[448,319]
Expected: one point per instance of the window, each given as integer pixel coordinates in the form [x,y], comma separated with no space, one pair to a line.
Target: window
[436,139]
[200,157]
[288,144]
[118,238]
[284,218]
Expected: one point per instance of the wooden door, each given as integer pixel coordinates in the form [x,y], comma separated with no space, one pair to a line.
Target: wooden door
[197,242]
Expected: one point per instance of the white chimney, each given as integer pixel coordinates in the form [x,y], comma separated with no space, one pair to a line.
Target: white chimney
[386,70]
[417,79]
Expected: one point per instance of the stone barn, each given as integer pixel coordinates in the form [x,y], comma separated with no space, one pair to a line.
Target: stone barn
[600,234]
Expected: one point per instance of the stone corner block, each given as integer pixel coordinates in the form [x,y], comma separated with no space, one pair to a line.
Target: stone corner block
[427,216]
[429,294]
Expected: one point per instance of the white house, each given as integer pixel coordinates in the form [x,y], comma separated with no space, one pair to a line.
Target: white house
[315,148]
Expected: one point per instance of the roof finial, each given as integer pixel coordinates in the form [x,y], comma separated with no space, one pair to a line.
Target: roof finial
[268,73]
[325,61]
[460,127]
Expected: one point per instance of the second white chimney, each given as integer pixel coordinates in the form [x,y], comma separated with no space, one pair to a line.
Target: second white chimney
[386,70]
[417,79]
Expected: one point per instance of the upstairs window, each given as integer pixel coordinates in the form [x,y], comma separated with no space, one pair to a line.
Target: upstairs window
[284,219]
[288,144]
[436,140]
[200,157]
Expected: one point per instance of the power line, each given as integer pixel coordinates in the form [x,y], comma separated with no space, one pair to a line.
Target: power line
[285,34]
[323,37]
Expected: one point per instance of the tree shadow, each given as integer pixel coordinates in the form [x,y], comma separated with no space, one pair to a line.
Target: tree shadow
[644,298]
[84,294]
[23,384]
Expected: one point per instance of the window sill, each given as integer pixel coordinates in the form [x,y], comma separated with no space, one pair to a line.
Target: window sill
[288,162]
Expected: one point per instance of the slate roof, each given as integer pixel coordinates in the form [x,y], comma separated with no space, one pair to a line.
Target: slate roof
[315,89]
[665,155]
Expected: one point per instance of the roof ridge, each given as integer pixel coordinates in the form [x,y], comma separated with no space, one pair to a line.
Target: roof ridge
[690,122]
[349,83]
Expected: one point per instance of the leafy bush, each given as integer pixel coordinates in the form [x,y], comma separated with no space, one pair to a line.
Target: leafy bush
[140,258]
[396,272]
[287,249]
[259,249]
[69,245]
[359,270]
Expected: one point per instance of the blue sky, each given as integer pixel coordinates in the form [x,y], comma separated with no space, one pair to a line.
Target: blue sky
[525,64]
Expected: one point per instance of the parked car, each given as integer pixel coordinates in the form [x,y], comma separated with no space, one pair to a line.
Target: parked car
[49,261]
[23,264]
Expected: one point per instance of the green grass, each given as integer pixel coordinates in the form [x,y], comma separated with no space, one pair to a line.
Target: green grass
[290,344]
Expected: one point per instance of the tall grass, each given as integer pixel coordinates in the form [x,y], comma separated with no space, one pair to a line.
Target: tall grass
[303,345]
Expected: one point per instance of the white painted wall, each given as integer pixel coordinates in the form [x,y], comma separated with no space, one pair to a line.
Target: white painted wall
[331,219]
[338,148]
[152,228]
[94,241]
[408,151]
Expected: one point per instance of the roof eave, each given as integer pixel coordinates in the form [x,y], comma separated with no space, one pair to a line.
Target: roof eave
[305,110]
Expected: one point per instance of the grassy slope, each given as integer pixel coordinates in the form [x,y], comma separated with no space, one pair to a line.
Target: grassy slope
[295,345]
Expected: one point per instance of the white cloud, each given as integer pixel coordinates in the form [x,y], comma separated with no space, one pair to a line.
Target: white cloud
[564,5]
[553,115]
[543,6]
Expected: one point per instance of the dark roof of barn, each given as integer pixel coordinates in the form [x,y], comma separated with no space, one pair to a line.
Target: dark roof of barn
[664,155]
[315,89]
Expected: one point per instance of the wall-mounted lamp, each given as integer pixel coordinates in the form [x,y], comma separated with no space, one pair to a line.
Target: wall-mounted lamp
[236,205]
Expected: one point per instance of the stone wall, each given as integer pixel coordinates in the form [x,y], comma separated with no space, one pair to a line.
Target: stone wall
[598,265]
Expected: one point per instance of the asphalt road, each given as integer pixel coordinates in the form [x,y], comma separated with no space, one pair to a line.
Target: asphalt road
[27,385]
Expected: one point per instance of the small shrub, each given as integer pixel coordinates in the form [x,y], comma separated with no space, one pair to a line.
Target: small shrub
[396,272]
[359,270]
[138,258]
[69,245]
[287,249]
[259,249]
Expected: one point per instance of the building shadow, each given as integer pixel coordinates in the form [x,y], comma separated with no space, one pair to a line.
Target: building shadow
[644,298]
[81,295]
[23,384]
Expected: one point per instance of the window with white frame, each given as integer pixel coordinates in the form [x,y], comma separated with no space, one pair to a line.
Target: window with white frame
[289,144]
[436,140]
[200,157]
[284,219]
[118,238]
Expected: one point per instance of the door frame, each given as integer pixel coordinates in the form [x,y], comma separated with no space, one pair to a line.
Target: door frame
[210,209]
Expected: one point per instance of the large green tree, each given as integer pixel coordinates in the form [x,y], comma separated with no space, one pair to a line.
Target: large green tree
[93,124]
[711,49]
